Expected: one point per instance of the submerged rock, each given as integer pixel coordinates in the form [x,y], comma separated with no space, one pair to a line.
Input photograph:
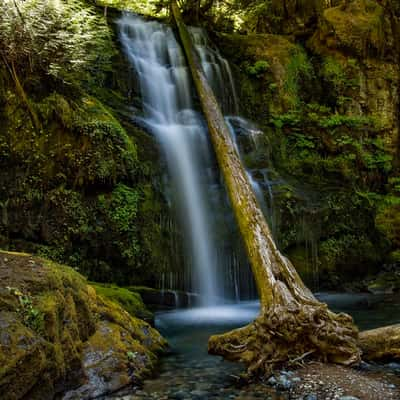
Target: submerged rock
[57,333]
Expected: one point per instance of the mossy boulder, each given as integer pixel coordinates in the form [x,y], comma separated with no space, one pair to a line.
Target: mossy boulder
[358,38]
[264,91]
[359,27]
[130,300]
[57,333]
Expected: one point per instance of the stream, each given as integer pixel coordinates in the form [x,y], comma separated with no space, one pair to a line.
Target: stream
[188,372]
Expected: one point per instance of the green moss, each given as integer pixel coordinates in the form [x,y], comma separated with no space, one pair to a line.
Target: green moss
[388,222]
[299,71]
[31,316]
[359,26]
[51,320]
[129,300]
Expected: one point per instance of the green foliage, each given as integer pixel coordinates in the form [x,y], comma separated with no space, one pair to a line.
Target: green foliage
[394,183]
[298,71]
[120,209]
[30,316]
[66,40]
[338,75]
[112,152]
[346,250]
[350,121]
[319,142]
[149,7]
[254,15]
[258,69]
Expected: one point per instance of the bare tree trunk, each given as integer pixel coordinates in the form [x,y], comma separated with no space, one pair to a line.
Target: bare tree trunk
[291,322]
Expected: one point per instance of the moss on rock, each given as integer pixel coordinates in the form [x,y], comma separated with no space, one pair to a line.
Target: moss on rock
[54,325]
[128,299]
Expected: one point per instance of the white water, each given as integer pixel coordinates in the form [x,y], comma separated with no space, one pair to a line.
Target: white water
[167,101]
[216,266]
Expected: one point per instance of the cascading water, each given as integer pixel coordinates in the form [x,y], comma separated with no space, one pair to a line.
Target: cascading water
[216,263]
[167,102]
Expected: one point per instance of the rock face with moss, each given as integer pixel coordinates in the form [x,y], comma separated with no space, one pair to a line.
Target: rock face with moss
[322,80]
[58,334]
[85,187]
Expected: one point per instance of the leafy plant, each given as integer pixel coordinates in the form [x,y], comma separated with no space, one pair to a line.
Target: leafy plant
[66,40]
[31,316]
[258,69]
[298,70]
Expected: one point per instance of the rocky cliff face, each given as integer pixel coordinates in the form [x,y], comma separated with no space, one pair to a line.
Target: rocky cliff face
[87,189]
[323,83]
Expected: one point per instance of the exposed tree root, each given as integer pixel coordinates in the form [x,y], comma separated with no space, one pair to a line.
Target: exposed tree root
[285,335]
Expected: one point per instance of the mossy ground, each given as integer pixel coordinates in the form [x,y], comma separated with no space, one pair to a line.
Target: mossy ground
[52,323]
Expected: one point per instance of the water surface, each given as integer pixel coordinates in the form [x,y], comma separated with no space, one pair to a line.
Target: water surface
[190,373]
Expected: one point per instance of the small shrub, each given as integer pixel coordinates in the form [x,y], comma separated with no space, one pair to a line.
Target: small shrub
[258,69]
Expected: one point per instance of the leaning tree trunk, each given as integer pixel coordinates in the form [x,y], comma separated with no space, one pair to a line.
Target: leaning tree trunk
[292,323]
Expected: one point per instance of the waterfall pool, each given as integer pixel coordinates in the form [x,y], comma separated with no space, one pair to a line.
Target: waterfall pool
[188,372]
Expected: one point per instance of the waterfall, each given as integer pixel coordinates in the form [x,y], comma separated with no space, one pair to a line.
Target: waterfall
[168,113]
[215,261]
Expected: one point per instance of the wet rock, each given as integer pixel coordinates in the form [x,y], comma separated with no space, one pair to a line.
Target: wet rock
[272,381]
[310,396]
[179,395]
[364,366]
[348,398]
[284,383]
[394,365]
[199,394]
[391,386]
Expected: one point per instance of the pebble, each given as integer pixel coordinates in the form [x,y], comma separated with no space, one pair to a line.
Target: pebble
[180,395]
[272,381]
[284,383]
[348,398]
[310,396]
[391,386]
[199,393]
[394,365]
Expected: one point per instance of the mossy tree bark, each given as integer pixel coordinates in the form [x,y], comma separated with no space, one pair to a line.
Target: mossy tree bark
[292,323]
[21,92]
